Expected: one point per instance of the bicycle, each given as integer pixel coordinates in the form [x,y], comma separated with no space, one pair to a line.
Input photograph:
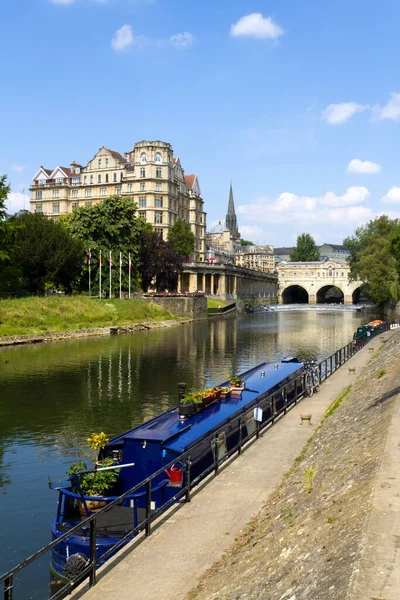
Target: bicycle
[311,378]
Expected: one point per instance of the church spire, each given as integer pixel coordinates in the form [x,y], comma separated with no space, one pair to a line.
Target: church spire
[231,221]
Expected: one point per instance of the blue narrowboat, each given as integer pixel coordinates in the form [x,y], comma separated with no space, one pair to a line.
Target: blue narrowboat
[148,450]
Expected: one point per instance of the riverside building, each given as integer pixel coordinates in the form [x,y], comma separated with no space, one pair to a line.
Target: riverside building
[149,174]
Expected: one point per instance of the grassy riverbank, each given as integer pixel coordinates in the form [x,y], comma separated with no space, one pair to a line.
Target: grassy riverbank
[31,316]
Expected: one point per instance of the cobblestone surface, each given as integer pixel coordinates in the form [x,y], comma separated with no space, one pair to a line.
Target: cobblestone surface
[305,544]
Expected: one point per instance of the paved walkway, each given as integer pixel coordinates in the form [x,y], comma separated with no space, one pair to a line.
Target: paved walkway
[169,563]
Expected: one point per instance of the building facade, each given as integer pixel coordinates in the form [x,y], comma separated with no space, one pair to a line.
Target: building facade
[258,258]
[149,174]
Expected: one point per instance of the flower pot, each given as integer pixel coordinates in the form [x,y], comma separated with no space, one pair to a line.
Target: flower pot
[187,410]
[93,506]
[207,400]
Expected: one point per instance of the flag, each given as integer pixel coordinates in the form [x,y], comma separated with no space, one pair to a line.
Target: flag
[130,263]
[89,257]
[111,262]
[100,260]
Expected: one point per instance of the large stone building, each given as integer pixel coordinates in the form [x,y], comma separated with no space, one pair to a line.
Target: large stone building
[149,174]
[258,258]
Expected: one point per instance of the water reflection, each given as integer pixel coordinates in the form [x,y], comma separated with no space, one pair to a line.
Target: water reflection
[53,396]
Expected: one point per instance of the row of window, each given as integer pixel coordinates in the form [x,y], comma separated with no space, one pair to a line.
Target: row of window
[158,201]
[157,157]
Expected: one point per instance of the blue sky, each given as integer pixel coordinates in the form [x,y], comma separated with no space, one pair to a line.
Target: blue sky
[296,101]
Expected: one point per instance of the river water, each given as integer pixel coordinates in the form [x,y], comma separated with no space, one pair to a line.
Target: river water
[53,396]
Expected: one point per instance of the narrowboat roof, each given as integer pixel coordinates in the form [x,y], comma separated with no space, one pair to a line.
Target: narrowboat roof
[176,434]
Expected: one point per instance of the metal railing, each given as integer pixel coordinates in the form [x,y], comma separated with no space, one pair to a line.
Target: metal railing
[222,309]
[277,404]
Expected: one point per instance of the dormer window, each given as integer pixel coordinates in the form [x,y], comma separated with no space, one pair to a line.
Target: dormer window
[59,179]
[143,157]
[77,170]
[158,157]
[42,181]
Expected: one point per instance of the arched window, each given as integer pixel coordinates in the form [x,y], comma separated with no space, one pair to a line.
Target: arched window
[158,157]
[143,157]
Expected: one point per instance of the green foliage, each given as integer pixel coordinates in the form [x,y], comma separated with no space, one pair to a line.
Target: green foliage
[375,258]
[4,191]
[98,483]
[309,474]
[337,402]
[235,380]
[182,238]
[45,252]
[158,260]
[381,373]
[4,227]
[111,225]
[305,250]
[246,243]
[13,282]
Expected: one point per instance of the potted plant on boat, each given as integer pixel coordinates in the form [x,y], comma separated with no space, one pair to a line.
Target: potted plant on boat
[236,381]
[210,395]
[96,482]
[225,392]
[190,404]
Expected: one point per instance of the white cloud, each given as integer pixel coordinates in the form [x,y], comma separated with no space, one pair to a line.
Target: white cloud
[391,110]
[308,211]
[256,26]
[363,166]
[335,114]
[123,38]
[352,197]
[182,40]
[17,201]
[392,197]
[18,168]
[250,232]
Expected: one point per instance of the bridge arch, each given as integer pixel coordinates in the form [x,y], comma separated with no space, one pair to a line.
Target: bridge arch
[355,297]
[295,294]
[330,294]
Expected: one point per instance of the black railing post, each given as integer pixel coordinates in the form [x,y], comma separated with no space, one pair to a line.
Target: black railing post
[257,428]
[216,455]
[148,508]
[188,481]
[331,357]
[284,400]
[92,576]
[295,391]
[8,588]
[240,436]
[273,405]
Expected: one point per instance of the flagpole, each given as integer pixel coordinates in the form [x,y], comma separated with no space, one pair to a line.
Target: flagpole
[120,274]
[129,279]
[100,277]
[110,271]
[90,273]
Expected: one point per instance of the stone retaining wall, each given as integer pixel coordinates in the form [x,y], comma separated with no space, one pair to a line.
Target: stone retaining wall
[184,306]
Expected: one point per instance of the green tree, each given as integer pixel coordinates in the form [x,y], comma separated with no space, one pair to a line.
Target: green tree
[182,238]
[373,260]
[4,226]
[158,261]
[45,253]
[111,225]
[246,243]
[305,250]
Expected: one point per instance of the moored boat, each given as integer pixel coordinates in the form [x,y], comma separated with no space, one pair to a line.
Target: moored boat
[159,458]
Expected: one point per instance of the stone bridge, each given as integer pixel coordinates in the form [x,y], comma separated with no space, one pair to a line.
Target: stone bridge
[316,283]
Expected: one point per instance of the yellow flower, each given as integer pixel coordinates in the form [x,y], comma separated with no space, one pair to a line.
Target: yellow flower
[97,440]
